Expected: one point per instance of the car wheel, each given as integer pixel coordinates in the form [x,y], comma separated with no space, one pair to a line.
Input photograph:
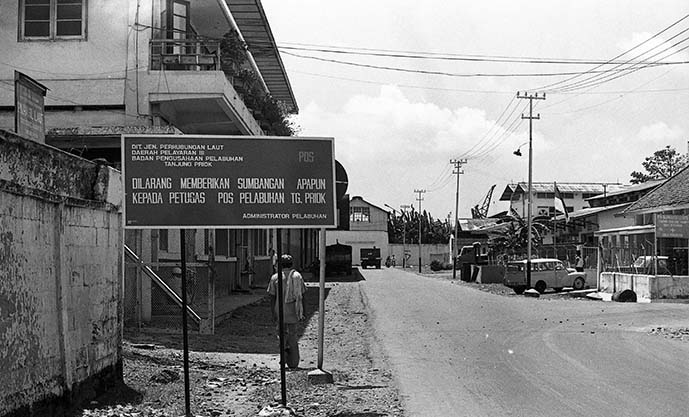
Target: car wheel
[558,289]
[578,283]
[519,290]
[540,287]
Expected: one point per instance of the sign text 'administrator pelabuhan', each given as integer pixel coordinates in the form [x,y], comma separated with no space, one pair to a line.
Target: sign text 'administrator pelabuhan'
[212,181]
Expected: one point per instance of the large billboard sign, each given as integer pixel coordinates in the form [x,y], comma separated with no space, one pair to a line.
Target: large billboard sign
[199,181]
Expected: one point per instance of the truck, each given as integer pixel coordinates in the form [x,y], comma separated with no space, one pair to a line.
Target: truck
[470,255]
[370,257]
[338,259]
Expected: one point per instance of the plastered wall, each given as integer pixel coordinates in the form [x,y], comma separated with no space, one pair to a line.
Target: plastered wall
[60,269]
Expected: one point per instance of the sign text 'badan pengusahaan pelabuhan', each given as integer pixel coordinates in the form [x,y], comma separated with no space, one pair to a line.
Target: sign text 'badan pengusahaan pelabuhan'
[228,181]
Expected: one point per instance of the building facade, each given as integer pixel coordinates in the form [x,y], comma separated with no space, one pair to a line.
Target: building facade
[575,196]
[157,67]
[368,227]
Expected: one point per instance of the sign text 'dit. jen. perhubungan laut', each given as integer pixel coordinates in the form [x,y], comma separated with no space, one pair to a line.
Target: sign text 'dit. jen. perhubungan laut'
[228,181]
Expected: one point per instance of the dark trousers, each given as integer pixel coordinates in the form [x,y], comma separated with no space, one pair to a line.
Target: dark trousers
[291,345]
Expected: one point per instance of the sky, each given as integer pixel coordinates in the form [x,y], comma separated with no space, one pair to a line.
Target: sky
[396,131]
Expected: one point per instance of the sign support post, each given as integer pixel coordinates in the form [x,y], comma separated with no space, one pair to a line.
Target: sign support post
[220,182]
[319,375]
[185,334]
[281,320]
[321,297]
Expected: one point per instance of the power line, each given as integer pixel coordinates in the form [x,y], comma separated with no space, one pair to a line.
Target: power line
[449,74]
[443,56]
[492,142]
[627,71]
[618,97]
[463,90]
[549,87]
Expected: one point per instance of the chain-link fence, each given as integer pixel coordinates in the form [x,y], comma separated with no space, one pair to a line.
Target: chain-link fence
[153,293]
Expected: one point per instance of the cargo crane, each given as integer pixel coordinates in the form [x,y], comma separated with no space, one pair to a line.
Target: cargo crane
[482,211]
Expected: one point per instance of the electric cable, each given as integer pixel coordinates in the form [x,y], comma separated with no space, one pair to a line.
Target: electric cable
[448,74]
[549,87]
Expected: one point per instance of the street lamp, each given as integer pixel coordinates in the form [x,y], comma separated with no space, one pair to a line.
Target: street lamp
[518,152]
[529,205]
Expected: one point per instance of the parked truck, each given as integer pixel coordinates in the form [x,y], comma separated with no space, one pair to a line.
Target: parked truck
[470,255]
[370,257]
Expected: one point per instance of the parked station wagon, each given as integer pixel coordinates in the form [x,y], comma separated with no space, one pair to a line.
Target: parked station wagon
[545,273]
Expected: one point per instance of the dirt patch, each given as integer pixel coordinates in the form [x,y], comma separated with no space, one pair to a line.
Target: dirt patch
[236,372]
[672,333]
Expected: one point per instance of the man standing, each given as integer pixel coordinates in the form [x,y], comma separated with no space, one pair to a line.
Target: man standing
[579,262]
[293,289]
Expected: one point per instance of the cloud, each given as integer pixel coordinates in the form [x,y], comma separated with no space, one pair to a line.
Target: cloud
[391,123]
[390,144]
[659,133]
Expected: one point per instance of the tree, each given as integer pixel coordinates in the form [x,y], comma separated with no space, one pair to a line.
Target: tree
[405,228]
[662,164]
[514,238]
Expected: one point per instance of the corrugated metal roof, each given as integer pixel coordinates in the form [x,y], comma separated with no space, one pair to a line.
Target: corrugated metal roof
[468,225]
[253,24]
[673,194]
[564,187]
[590,210]
[628,189]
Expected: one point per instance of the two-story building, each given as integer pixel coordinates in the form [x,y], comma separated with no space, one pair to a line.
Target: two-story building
[149,67]
[368,228]
[575,196]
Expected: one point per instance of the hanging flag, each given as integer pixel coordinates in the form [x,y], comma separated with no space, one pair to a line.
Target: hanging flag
[560,203]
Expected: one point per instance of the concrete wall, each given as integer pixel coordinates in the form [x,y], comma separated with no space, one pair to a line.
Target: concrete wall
[428,253]
[60,275]
[359,240]
[646,287]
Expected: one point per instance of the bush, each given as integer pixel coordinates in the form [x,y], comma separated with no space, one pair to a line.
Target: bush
[436,265]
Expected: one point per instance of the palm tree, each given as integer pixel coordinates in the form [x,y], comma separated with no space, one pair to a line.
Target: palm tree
[512,240]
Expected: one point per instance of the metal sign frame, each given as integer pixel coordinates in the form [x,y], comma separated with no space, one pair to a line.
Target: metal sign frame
[29,107]
[241,168]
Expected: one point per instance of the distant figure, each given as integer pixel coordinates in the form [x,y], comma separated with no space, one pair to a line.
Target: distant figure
[579,262]
[393,261]
[273,258]
[293,290]
[388,262]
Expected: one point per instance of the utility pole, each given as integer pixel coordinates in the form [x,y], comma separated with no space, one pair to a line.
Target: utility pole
[531,97]
[404,208]
[458,170]
[420,199]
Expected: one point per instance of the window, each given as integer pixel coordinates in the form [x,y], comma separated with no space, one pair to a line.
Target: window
[52,19]
[225,242]
[260,242]
[163,240]
[359,214]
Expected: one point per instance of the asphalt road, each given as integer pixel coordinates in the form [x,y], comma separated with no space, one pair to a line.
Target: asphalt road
[458,351]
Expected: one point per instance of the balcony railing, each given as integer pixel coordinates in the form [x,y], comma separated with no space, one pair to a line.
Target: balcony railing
[184,55]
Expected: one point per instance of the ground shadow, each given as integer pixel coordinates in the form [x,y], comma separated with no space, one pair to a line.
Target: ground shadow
[120,394]
[354,276]
[249,329]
